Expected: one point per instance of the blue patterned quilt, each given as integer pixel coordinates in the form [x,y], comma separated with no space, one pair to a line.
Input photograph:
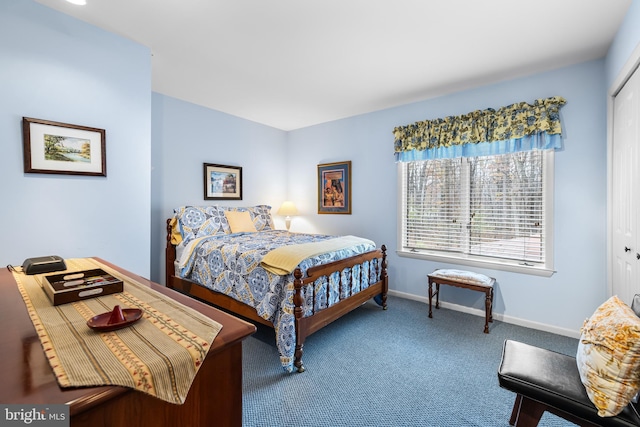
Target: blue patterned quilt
[230,264]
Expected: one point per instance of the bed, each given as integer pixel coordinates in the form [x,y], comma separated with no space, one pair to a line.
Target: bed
[296,283]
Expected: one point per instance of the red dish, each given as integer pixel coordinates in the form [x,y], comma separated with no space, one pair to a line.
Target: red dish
[116,319]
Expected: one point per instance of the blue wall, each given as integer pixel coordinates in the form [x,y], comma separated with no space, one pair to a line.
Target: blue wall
[561,302]
[279,165]
[54,67]
[626,40]
[184,137]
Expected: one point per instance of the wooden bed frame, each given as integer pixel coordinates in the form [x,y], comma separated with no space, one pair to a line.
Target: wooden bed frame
[304,326]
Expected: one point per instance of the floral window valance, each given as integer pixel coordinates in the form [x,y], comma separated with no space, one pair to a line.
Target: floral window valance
[517,127]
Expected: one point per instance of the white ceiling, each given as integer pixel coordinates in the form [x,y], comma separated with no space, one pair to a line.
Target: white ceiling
[295,63]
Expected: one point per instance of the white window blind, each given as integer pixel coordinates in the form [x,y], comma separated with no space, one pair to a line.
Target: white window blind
[433,215]
[487,207]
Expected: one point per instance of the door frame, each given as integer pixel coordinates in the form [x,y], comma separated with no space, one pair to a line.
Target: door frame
[632,64]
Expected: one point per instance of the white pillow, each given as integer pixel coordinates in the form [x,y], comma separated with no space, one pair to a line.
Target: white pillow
[608,356]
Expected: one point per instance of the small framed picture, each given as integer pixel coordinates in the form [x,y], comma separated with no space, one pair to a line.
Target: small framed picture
[62,148]
[334,188]
[222,182]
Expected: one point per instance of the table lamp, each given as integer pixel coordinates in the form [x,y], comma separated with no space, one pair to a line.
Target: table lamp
[287,209]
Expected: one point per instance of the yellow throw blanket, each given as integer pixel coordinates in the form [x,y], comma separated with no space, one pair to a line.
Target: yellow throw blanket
[285,259]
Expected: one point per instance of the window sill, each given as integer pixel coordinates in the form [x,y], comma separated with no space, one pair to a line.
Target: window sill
[503,265]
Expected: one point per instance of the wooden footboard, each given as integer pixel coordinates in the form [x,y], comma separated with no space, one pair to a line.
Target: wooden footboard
[304,325]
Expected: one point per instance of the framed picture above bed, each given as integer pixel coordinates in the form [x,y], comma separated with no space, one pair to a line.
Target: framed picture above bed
[62,148]
[222,182]
[334,188]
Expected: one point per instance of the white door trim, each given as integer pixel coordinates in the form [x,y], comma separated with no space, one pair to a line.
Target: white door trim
[623,76]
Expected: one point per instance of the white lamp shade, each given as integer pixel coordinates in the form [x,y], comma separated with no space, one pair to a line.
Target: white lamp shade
[78,2]
[287,209]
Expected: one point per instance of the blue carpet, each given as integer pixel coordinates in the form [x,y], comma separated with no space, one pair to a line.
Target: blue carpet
[390,368]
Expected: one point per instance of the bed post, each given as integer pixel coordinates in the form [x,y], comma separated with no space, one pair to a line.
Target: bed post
[169,257]
[384,277]
[297,311]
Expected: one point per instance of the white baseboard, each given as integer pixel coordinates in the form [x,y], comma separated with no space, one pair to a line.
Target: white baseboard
[498,316]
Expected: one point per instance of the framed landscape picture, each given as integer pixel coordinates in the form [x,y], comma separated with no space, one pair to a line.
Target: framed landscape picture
[222,182]
[334,188]
[62,148]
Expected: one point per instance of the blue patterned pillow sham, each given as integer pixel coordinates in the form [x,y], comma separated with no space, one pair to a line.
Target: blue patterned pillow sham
[200,221]
[260,215]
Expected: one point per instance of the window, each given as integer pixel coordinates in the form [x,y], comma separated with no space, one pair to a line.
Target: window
[490,211]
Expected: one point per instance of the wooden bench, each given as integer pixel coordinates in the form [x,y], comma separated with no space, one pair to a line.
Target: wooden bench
[463,279]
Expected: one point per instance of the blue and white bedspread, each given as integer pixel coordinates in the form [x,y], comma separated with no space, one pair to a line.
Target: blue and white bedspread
[230,264]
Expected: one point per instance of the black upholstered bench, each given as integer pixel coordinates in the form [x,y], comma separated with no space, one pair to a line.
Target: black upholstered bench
[544,380]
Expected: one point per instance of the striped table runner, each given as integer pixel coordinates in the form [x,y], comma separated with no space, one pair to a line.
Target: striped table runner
[160,354]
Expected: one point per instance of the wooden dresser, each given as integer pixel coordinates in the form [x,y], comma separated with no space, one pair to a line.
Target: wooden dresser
[215,398]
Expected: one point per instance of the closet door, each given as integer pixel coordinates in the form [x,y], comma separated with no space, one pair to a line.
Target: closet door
[626,190]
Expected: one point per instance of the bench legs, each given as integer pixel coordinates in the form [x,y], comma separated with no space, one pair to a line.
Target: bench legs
[431,295]
[488,309]
[526,412]
[488,301]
